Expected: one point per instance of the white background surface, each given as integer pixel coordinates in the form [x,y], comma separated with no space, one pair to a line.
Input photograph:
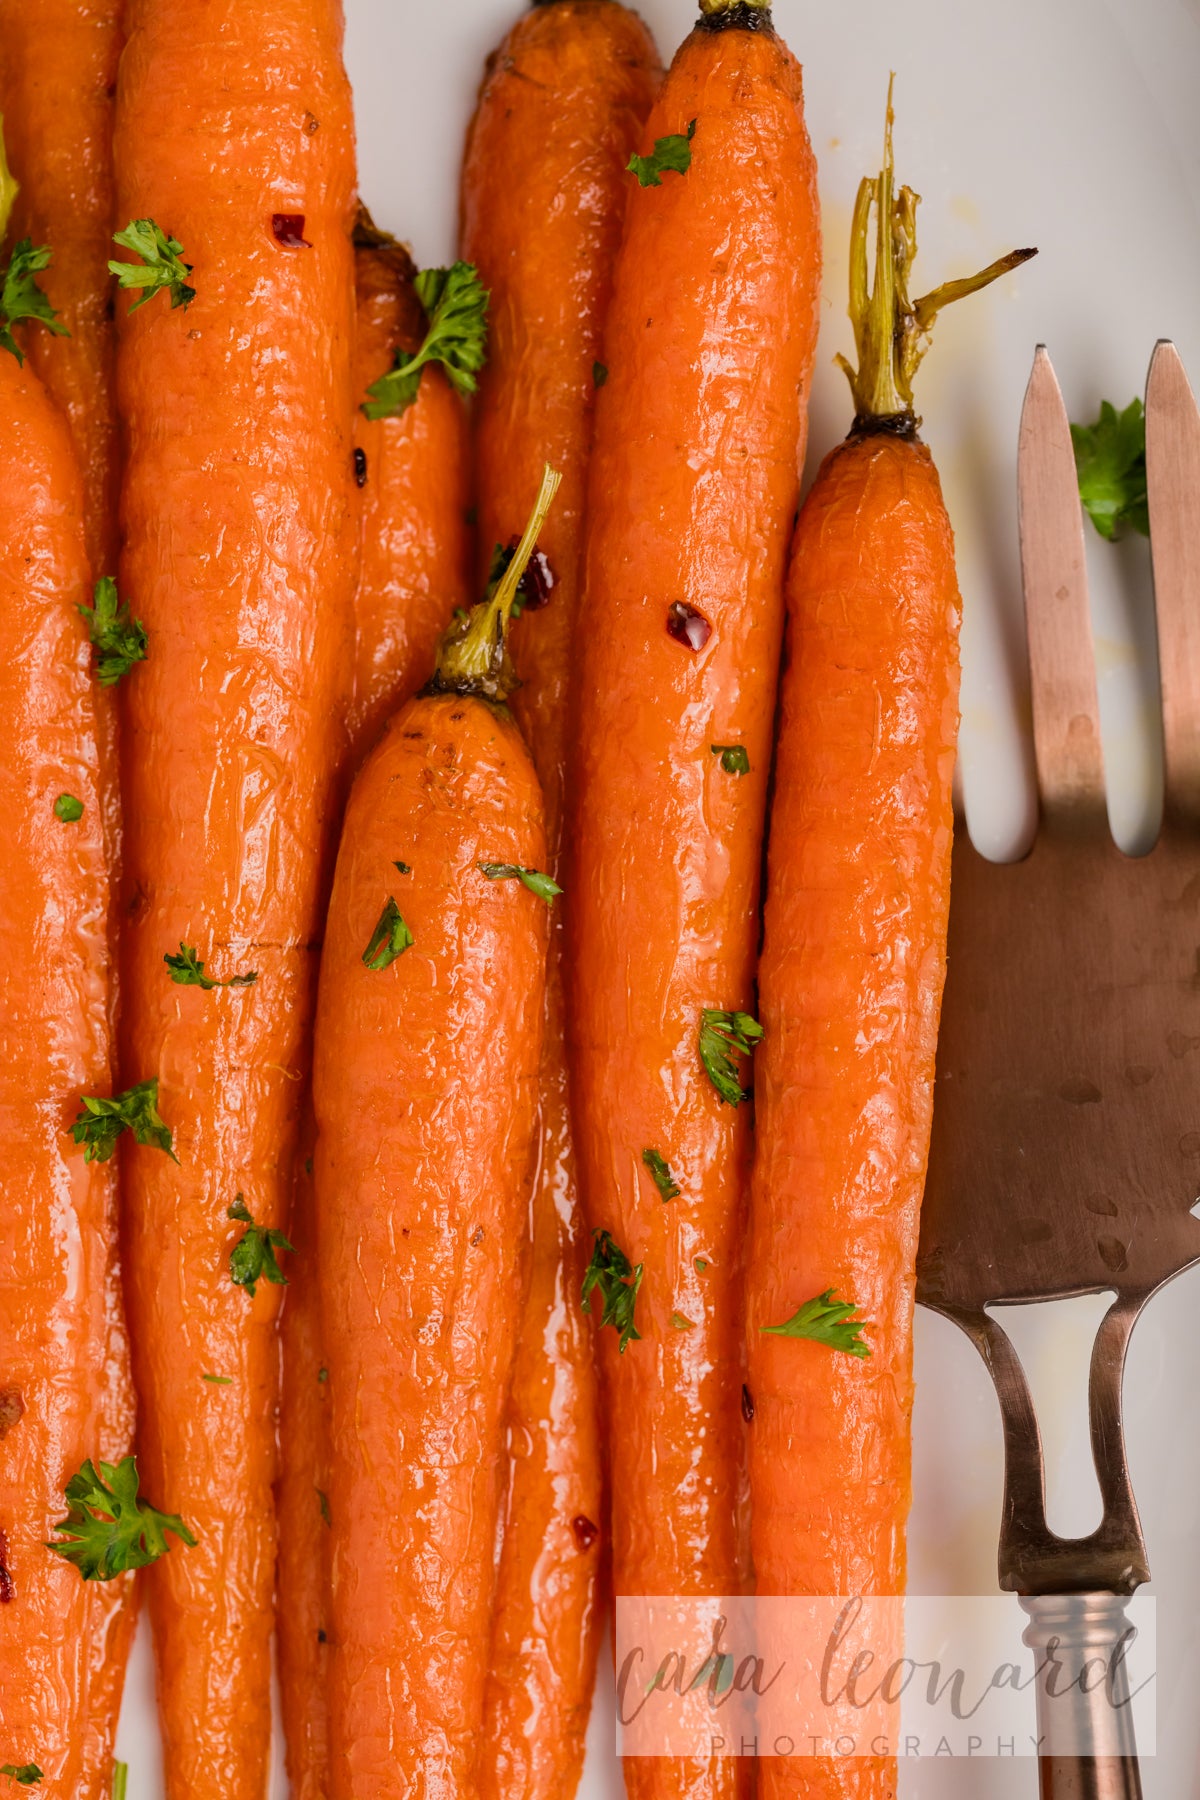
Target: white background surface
[1073,125]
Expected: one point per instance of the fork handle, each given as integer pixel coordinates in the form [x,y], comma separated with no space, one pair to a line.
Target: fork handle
[1084,1712]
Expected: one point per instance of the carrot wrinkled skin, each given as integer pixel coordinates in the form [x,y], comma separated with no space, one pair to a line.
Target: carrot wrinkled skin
[692,491]
[850,987]
[412,474]
[425,1087]
[544,188]
[58,80]
[65,1386]
[416,478]
[241,539]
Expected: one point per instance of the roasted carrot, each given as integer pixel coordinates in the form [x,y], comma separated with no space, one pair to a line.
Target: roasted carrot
[65,1386]
[58,79]
[428,1036]
[413,470]
[692,490]
[235,167]
[850,980]
[303,1584]
[543,199]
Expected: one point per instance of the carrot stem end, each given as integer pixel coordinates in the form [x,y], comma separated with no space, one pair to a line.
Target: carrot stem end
[892,332]
[473,656]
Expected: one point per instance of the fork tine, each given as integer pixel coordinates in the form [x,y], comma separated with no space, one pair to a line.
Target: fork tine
[1173,481]
[1066,718]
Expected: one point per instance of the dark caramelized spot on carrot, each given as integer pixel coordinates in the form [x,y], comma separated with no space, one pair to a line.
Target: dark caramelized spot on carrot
[536,584]
[311,123]
[687,626]
[477,1237]
[738,18]
[289,231]
[360,466]
[12,1406]
[585,1532]
[321,1638]
[747,1405]
[8,1587]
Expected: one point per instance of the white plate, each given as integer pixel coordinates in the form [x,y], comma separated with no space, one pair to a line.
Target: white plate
[1073,125]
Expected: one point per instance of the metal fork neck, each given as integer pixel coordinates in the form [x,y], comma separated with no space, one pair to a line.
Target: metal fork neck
[1084,1712]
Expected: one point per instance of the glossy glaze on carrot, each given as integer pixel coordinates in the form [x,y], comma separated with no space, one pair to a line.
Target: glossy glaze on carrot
[544,188]
[302,1585]
[415,478]
[240,534]
[65,1386]
[692,490]
[851,976]
[412,473]
[850,986]
[426,1104]
[58,81]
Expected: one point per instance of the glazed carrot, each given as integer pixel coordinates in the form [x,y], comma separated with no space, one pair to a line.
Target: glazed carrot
[692,490]
[414,474]
[850,981]
[303,1592]
[543,198]
[65,1386]
[235,165]
[58,76]
[428,1035]
[412,470]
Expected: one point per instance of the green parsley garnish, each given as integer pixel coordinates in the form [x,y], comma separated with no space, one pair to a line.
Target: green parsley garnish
[252,1258]
[599,374]
[188,971]
[733,757]
[826,1321]
[120,1779]
[119,640]
[533,879]
[25,1773]
[390,938]
[661,1175]
[700,1264]
[456,303]
[720,1034]
[107,1528]
[22,298]
[162,264]
[68,809]
[102,1121]
[1110,461]
[669,153]
[681,1323]
[219,1380]
[611,1271]
[403,867]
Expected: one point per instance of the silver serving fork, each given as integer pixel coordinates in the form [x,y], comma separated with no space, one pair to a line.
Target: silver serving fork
[1066,1140]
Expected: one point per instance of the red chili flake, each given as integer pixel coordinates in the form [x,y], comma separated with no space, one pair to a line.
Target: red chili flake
[687,626]
[8,1587]
[747,1405]
[289,231]
[536,584]
[12,1406]
[360,466]
[585,1532]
